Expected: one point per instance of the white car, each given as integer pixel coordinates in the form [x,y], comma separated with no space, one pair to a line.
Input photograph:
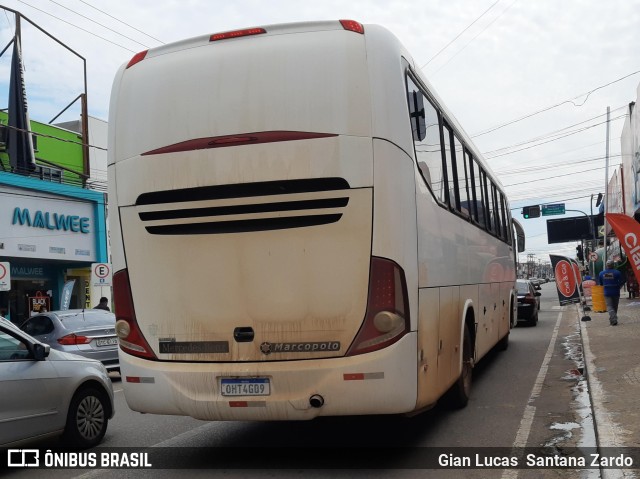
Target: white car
[44,392]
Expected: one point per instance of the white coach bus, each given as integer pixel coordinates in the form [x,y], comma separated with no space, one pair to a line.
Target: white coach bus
[300,228]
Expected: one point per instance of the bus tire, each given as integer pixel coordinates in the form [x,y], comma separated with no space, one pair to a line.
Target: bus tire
[503,344]
[458,396]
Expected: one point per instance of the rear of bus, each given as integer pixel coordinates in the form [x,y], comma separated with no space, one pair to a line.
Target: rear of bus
[248,283]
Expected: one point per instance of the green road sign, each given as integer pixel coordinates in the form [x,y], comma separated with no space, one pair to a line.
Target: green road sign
[549,210]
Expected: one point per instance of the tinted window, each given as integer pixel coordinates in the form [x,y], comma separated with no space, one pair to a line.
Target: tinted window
[451,185]
[478,192]
[38,325]
[427,142]
[11,348]
[461,172]
[497,215]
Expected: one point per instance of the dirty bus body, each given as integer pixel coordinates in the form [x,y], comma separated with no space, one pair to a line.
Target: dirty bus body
[277,251]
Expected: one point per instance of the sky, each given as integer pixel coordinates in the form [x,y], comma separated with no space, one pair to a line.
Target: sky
[529,81]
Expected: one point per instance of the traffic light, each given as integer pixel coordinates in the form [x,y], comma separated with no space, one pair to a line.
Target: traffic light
[579,253]
[531,211]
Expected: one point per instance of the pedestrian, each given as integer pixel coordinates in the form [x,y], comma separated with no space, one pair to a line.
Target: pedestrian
[104,304]
[612,281]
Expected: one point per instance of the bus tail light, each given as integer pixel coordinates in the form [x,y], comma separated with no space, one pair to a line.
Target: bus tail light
[352,26]
[387,318]
[130,336]
[138,57]
[236,34]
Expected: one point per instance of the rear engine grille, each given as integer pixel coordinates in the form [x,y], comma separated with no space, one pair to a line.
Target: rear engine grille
[250,223]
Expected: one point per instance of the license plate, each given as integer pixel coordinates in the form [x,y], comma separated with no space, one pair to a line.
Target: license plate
[245,386]
[107,342]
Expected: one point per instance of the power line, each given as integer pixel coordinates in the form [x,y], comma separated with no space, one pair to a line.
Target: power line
[481,32]
[124,23]
[548,166]
[44,135]
[76,26]
[550,134]
[556,176]
[458,35]
[555,106]
[548,141]
[98,23]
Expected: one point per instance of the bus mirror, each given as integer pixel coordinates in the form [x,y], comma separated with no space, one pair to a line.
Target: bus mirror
[417,115]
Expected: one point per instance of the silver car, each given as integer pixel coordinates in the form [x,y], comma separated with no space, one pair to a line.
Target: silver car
[88,332]
[47,393]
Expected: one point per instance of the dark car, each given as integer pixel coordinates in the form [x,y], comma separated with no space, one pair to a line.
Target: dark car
[87,332]
[528,302]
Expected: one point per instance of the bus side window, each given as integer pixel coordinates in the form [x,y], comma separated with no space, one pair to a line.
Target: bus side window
[461,175]
[480,201]
[447,155]
[425,125]
[488,202]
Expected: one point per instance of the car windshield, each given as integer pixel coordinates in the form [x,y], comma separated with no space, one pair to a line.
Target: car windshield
[523,287]
[80,320]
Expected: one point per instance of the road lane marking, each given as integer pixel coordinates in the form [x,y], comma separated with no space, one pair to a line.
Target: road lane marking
[522,436]
[171,442]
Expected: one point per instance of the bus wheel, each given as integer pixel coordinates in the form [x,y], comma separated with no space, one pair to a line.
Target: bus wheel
[458,395]
[503,344]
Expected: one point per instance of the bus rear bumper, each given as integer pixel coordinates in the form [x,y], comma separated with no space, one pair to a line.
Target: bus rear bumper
[381,382]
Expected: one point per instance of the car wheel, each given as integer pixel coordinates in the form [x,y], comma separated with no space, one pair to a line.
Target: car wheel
[458,396]
[534,320]
[87,418]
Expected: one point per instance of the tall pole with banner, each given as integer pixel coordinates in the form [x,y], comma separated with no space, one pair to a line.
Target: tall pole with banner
[568,278]
[19,142]
[628,232]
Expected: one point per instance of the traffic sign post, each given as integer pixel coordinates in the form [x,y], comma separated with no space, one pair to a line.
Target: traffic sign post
[101,274]
[549,210]
[5,276]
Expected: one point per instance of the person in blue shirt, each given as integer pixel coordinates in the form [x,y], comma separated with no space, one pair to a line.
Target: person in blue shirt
[612,280]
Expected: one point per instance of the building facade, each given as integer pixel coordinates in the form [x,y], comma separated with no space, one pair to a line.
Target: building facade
[52,227]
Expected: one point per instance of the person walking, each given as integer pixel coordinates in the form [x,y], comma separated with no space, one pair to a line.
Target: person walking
[104,304]
[612,281]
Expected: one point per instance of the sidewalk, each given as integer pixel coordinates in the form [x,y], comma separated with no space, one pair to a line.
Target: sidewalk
[612,360]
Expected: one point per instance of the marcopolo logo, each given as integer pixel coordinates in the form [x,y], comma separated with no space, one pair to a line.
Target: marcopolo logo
[268,348]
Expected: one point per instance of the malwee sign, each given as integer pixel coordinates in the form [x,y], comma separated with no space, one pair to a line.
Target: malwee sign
[48,226]
[50,221]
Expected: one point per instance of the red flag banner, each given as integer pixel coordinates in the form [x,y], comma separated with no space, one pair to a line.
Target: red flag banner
[566,279]
[628,232]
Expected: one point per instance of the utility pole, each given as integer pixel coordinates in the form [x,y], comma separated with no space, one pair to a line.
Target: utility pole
[606,192]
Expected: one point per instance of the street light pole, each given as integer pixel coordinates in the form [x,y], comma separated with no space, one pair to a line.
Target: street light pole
[606,192]
[590,218]
[594,244]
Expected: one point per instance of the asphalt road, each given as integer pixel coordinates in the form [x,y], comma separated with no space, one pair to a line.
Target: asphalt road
[524,396]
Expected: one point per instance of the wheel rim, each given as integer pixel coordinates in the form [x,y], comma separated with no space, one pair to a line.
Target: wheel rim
[90,417]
